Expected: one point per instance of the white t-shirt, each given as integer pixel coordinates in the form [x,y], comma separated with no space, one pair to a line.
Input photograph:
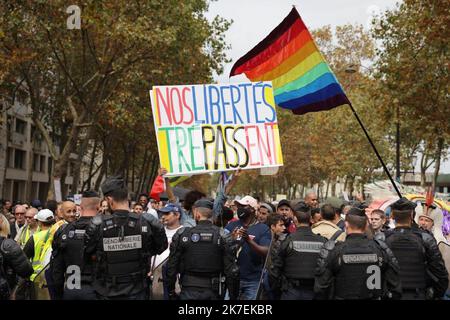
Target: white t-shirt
[163,256]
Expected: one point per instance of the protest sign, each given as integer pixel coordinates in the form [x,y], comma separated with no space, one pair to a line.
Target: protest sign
[216,127]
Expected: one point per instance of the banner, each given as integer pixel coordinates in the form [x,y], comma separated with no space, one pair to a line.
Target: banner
[210,128]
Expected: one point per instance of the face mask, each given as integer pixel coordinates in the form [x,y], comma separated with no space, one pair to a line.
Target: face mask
[243,213]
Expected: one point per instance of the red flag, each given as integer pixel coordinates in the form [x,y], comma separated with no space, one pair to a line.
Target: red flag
[159,186]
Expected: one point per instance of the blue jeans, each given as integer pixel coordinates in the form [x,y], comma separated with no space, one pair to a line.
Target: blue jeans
[248,289]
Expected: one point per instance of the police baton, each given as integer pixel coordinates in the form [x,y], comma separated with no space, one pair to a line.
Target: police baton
[261,279]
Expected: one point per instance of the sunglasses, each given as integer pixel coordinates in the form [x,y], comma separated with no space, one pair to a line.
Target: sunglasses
[29,217]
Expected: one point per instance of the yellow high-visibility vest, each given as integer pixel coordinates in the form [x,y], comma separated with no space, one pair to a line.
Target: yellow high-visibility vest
[40,240]
[25,235]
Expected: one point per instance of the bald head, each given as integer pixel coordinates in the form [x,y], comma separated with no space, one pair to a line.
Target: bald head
[89,206]
[311,199]
[69,211]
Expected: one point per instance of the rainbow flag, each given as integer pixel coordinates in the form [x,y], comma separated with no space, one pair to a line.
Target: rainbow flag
[301,78]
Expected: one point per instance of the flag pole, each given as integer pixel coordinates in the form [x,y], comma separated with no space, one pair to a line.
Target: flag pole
[374,149]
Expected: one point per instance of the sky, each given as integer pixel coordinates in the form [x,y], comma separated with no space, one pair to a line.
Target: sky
[253,20]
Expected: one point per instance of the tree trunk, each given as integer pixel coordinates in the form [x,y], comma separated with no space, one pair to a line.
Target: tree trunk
[351,187]
[294,191]
[437,165]
[302,191]
[333,187]
[326,190]
[142,171]
[78,163]
[29,184]
[104,169]
[345,183]
[132,168]
[423,169]
[88,181]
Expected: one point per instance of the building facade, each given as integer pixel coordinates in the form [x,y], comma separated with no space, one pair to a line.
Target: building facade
[25,163]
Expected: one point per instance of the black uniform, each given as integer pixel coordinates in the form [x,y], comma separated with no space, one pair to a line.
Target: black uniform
[13,262]
[357,268]
[422,269]
[121,245]
[293,265]
[202,258]
[69,263]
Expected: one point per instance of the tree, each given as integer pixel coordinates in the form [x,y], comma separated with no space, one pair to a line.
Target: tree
[74,79]
[413,71]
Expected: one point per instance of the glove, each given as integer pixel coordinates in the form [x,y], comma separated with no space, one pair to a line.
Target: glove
[173,296]
[429,294]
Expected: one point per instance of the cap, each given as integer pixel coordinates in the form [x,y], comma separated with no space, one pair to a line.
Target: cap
[112,183]
[89,194]
[335,202]
[357,212]
[284,202]
[301,207]
[403,204]
[203,203]
[267,206]
[36,203]
[248,201]
[170,207]
[44,215]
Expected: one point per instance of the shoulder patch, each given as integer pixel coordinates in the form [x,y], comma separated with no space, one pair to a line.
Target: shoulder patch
[329,245]
[97,220]
[195,237]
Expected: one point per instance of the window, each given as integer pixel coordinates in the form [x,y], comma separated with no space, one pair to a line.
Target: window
[50,163]
[38,163]
[19,159]
[10,158]
[10,122]
[21,126]
[36,159]
[42,164]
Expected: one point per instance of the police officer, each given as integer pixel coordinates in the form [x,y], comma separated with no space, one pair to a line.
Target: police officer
[13,261]
[292,268]
[422,269]
[201,257]
[357,268]
[69,263]
[122,244]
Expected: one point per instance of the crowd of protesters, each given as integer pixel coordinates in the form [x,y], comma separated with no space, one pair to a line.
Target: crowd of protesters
[278,250]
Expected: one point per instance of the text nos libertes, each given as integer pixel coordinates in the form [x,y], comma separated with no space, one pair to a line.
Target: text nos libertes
[217,127]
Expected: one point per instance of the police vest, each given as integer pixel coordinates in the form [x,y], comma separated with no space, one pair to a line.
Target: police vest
[123,243]
[72,246]
[409,250]
[359,271]
[301,256]
[202,252]
[40,248]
